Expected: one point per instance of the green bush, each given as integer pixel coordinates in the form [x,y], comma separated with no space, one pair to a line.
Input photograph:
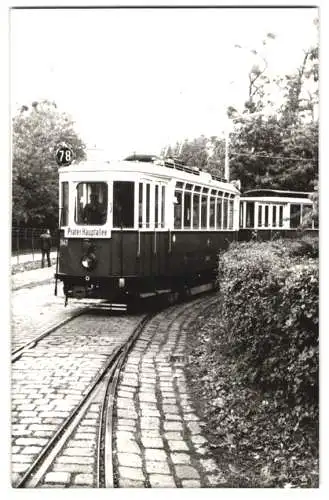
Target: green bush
[269,312]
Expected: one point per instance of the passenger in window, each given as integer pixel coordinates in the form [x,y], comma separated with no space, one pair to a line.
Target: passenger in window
[93,212]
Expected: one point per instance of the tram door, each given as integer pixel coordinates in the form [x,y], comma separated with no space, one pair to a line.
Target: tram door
[123,204]
[124,241]
[152,238]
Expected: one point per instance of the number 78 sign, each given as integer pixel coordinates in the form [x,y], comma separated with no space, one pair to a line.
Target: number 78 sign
[64,155]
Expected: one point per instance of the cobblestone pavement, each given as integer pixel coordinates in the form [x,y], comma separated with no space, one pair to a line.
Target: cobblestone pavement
[35,309]
[158,439]
[50,380]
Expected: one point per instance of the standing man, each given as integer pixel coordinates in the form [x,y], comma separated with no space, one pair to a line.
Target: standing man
[45,240]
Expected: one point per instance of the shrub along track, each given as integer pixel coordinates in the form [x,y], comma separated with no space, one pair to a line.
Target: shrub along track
[263,434]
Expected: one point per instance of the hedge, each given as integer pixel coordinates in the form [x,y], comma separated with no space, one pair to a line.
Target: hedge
[269,313]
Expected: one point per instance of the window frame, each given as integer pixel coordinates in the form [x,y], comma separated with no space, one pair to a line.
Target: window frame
[75,195]
[64,196]
[153,222]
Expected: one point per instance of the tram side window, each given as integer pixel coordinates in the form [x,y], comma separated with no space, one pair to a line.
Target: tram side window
[178,210]
[250,214]
[219,213]
[204,200]
[260,209]
[187,210]
[156,205]
[212,213]
[266,215]
[148,202]
[294,215]
[65,204]
[123,203]
[91,203]
[140,205]
[274,216]
[241,214]
[163,204]
[281,216]
[230,214]
[225,213]
[307,216]
[196,210]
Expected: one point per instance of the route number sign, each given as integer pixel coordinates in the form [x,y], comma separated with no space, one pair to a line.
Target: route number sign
[64,156]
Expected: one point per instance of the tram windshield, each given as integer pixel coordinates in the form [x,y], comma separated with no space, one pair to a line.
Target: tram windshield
[91,203]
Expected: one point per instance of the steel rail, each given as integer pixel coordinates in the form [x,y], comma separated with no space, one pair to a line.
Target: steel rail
[105,470]
[17,353]
[39,467]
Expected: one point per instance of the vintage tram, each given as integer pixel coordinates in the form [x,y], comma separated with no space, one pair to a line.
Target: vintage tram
[141,226]
[271,213]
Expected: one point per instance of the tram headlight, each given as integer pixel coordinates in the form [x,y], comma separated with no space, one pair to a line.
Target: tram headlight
[89,261]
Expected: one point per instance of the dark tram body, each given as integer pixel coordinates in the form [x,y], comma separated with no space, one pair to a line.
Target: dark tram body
[136,228]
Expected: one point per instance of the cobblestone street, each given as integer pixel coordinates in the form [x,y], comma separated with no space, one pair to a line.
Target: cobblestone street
[158,440]
[33,309]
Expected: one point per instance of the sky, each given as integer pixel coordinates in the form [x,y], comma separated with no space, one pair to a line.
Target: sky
[136,80]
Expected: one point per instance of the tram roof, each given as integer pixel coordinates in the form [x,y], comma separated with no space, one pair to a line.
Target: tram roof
[152,166]
[275,192]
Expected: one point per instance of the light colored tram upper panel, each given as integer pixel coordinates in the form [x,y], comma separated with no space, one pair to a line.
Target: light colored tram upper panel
[153,196]
[122,170]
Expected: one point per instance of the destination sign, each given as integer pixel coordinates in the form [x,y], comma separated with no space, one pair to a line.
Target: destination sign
[86,232]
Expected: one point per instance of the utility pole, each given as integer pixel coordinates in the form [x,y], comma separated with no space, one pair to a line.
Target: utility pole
[227,159]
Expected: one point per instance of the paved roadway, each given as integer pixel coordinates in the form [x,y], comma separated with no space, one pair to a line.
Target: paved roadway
[28,279]
[158,440]
[23,258]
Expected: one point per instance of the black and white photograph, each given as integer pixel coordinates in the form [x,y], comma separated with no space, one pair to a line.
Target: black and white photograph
[164,258]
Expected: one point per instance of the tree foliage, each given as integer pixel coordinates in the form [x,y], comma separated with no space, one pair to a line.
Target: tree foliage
[279,149]
[268,152]
[272,143]
[37,131]
[207,153]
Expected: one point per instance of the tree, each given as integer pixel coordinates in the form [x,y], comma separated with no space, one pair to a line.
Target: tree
[278,149]
[206,153]
[194,153]
[265,153]
[37,131]
[257,77]
[274,144]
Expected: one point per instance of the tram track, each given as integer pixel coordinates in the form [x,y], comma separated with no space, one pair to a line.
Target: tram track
[108,376]
[105,470]
[19,351]
[102,386]
[87,308]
